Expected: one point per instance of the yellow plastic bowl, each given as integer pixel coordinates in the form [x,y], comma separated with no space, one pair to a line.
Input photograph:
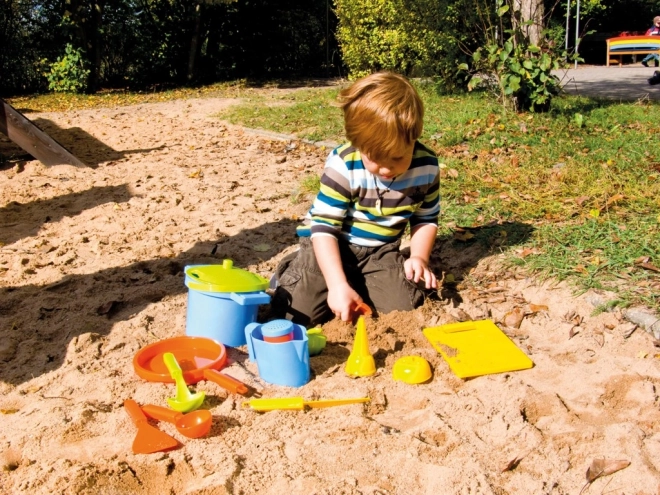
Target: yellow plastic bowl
[412,369]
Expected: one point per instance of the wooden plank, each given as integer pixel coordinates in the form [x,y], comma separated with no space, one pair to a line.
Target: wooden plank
[32,139]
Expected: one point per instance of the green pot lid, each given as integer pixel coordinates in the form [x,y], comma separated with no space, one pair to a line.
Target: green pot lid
[223,278]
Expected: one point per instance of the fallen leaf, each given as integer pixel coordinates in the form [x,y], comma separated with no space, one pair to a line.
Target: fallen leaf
[649,266]
[580,201]
[465,236]
[642,354]
[596,261]
[526,252]
[535,308]
[614,199]
[261,248]
[603,467]
[574,331]
[581,269]
[627,329]
[453,173]
[599,338]
[513,318]
[512,464]
[573,317]
[8,411]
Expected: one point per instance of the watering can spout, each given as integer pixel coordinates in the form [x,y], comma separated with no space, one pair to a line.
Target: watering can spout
[360,361]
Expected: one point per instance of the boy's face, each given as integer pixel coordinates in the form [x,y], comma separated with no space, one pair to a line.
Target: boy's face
[391,166]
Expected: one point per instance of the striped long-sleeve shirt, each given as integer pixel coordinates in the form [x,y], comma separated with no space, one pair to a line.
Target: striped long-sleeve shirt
[357,205]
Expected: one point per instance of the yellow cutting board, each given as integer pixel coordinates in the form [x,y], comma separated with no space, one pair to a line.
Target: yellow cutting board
[475,348]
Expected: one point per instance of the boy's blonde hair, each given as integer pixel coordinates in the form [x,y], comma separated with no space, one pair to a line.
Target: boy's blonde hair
[656,19]
[382,111]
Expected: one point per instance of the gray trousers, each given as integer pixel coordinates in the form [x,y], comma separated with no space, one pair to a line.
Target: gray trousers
[376,273]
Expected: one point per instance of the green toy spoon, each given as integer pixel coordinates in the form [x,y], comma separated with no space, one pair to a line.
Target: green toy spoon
[185,400]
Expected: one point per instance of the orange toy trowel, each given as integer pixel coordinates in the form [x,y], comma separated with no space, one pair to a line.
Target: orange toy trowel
[149,439]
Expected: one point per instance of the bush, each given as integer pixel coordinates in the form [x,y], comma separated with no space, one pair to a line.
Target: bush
[68,73]
[411,37]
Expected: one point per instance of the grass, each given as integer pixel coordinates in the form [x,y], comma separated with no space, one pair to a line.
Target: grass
[583,179]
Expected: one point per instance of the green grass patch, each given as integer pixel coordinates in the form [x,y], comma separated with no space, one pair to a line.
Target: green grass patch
[308,114]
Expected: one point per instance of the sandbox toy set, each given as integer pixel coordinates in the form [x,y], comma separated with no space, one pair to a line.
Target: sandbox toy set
[222,309]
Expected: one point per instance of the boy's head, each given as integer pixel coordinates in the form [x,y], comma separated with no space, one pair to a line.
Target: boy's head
[656,20]
[382,114]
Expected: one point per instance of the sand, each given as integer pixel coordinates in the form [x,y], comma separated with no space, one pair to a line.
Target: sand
[91,271]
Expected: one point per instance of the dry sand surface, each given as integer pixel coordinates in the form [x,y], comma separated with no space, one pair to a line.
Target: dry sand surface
[91,270]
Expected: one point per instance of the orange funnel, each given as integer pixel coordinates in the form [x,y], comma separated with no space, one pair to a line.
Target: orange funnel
[360,362]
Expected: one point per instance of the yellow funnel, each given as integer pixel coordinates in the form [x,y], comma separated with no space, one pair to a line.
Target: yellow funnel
[360,362]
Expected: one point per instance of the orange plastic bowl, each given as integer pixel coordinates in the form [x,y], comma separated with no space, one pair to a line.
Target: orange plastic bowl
[194,355]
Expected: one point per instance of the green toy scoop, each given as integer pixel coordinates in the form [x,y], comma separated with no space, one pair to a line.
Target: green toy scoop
[185,400]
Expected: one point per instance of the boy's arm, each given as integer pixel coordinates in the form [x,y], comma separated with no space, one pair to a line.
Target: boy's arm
[341,296]
[421,245]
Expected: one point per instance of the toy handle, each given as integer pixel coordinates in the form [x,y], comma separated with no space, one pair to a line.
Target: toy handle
[172,365]
[250,299]
[134,411]
[225,381]
[287,403]
[161,413]
[362,309]
[176,373]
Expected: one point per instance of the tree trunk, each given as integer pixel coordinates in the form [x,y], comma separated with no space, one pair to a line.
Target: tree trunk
[531,10]
[96,44]
[194,42]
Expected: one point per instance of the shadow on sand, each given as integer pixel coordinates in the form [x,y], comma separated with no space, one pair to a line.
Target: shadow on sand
[37,322]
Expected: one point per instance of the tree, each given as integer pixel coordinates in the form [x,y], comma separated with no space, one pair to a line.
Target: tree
[197,36]
[86,19]
[531,18]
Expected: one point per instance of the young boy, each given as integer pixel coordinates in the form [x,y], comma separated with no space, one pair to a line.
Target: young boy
[371,189]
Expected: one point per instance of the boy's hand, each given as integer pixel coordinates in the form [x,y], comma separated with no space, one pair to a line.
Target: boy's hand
[342,300]
[417,269]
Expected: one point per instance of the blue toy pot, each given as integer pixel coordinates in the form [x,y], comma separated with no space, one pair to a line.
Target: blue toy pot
[222,300]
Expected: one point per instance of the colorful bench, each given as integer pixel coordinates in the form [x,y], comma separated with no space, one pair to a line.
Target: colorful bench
[631,45]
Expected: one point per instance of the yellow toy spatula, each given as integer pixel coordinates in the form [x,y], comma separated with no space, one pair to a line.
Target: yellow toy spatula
[297,403]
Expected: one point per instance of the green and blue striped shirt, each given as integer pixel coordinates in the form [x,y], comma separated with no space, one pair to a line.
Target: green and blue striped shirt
[355,204]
